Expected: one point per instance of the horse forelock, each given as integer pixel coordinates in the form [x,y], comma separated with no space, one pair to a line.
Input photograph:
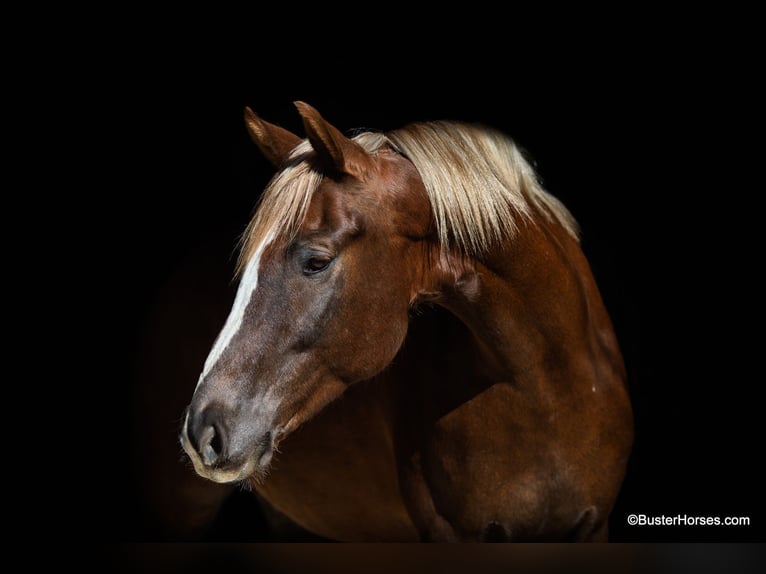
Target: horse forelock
[283,204]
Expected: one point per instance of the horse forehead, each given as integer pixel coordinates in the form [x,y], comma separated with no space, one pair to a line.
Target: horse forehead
[394,184]
[335,204]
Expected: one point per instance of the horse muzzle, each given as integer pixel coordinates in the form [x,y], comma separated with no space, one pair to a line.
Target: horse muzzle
[223,451]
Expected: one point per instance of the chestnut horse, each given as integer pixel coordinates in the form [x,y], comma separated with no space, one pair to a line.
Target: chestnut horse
[417,349]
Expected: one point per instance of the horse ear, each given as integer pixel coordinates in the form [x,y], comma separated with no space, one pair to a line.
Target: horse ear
[274,142]
[333,148]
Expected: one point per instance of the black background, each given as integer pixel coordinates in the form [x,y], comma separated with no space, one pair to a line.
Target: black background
[639,150]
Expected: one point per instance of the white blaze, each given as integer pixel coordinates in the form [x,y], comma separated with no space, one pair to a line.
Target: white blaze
[247,287]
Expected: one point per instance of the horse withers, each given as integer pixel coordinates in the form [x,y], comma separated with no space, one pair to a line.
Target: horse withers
[417,349]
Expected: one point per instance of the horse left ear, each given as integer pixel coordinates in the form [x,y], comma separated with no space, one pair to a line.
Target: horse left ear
[333,148]
[274,142]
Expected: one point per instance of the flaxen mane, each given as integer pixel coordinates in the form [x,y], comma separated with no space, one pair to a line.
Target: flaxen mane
[479,184]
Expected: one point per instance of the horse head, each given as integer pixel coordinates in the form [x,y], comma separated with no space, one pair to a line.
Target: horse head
[329,267]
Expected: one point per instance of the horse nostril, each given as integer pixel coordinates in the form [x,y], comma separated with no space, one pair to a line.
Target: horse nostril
[206,431]
[210,445]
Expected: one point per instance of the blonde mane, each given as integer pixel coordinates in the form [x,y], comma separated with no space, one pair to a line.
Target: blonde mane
[478,182]
[479,185]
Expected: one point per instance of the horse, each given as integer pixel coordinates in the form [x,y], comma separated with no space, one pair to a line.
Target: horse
[417,349]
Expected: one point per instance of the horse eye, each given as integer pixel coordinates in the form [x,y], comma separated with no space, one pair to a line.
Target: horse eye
[316,264]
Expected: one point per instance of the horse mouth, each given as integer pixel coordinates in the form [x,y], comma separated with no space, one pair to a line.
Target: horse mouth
[225,475]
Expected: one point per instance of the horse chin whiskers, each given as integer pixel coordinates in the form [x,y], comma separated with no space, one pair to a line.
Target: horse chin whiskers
[257,478]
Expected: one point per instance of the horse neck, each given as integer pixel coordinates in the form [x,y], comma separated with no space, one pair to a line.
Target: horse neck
[535,313]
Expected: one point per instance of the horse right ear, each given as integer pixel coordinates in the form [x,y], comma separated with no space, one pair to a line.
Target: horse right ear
[274,142]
